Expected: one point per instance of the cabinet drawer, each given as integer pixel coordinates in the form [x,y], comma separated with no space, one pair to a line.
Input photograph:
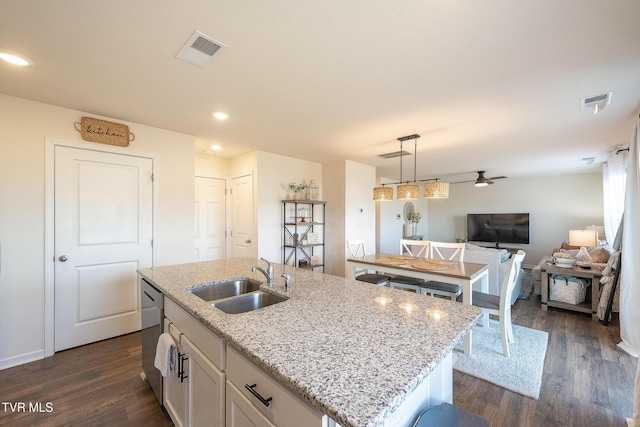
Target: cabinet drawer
[209,343]
[285,409]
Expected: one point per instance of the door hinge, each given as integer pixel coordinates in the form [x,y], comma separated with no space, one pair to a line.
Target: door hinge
[151,242]
[152,178]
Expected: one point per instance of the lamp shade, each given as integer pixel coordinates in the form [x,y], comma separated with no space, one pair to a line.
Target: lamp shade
[599,230]
[408,191]
[583,237]
[382,193]
[436,190]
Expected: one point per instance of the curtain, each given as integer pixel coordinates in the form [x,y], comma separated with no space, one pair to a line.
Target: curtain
[613,189]
[630,271]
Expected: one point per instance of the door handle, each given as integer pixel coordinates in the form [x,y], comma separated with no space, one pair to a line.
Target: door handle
[63,258]
[248,241]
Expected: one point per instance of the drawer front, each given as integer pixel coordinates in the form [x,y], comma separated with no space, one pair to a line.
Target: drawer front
[209,343]
[241,412]
[285,409]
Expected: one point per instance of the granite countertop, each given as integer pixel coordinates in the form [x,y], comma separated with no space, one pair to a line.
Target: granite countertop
[351,349]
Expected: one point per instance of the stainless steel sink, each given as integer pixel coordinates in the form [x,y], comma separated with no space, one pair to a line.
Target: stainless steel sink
[225,289]
[248,302]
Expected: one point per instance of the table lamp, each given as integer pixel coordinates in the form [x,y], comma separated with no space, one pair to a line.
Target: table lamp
[583,238]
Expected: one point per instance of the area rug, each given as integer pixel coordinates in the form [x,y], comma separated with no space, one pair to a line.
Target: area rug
[520,373]
[527,285]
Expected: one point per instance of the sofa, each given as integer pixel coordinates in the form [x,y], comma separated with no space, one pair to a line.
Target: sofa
[599,255]
[496,259]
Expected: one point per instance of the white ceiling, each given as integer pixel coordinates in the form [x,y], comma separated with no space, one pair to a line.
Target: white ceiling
[489,85]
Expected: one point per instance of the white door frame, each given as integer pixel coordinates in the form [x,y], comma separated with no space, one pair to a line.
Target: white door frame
[49,244]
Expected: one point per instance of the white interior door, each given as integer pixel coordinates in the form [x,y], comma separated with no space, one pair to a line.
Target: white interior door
[242,216]
[103,233]
[210,219]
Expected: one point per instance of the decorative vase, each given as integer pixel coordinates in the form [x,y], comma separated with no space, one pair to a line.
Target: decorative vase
[414,228]
[314,191]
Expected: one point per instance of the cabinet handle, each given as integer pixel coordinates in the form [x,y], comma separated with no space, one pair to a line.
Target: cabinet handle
[181,373]
[251,388]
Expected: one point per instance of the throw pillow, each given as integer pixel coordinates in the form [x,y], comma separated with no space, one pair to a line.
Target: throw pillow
[600,255]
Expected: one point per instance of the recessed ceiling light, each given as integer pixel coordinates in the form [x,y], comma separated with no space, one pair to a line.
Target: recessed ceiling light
[220,115]
[216,147]
[14,59]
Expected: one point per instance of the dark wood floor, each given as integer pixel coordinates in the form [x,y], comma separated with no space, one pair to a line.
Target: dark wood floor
[587,381]
[94,385]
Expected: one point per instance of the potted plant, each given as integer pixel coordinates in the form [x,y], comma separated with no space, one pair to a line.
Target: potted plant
[297,189]
[414,217]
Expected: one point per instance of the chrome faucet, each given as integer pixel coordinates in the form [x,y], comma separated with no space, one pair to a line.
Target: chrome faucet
[268,273]
[287,281]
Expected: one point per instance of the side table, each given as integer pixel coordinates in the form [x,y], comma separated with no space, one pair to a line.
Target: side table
[593,274]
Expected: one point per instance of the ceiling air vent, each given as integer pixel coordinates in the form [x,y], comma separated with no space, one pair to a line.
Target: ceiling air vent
[596,103]
[199,49]
[394,154]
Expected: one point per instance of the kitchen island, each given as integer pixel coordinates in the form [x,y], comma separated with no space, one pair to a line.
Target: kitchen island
[353,351]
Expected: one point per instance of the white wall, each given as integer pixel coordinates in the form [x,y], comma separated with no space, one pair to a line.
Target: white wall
[556,204]
[274,173]
[359,213]
[24,125]
[391,226]
[210,166]
[333,183]
[351,211]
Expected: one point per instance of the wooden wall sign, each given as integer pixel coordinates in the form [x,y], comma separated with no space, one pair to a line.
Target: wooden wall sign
[104,132]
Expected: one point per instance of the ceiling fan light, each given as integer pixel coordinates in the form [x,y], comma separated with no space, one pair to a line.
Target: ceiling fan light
[436,190]
[382,194]
[408,191]
[481,184]
[14,59]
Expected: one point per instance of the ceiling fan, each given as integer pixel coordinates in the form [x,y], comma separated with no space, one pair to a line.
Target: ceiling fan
[482,181]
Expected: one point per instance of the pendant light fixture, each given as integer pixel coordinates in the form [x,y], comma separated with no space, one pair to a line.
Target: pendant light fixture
[382,193]
[409,191]
[436,190]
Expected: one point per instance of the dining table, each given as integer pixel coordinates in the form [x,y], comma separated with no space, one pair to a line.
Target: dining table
[465,274]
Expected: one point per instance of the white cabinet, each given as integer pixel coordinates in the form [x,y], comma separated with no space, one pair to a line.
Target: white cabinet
[277,405]
[212,384]
[175,397]
[205,390]
[241,412]
[194,392]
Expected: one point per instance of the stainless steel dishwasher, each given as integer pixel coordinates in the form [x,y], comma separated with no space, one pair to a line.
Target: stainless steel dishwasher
[152,314]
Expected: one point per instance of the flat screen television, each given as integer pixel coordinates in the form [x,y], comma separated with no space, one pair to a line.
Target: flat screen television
[498,228]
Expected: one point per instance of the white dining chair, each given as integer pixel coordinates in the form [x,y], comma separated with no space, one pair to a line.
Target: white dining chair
[415,248]
[500,305]
[444,251]
[357,249]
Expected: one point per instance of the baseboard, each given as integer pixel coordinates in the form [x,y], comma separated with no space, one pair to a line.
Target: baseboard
[21,359]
